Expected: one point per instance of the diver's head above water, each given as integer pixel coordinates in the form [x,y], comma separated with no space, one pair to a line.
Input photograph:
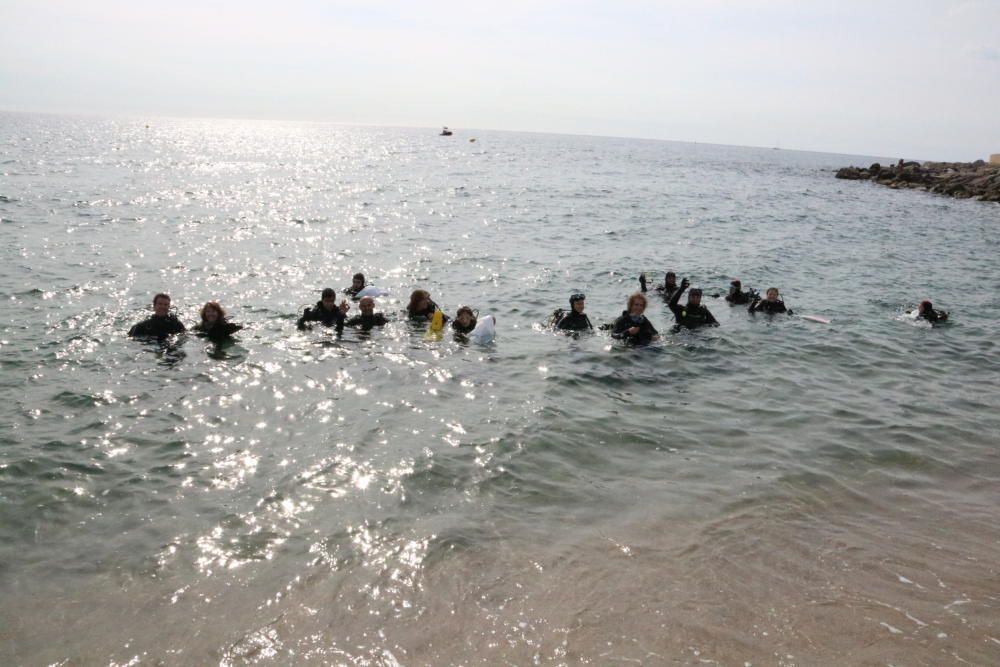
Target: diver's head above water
[358,282]
[465,318]
[637,304]
[694,296]
[329,298]
[161,304]
[420,303]
[577,302]
[367,305]
[212,312]
[772,294]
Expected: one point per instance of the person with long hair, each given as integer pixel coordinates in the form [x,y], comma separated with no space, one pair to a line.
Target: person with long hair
[214,323]
[633,327]
[421,306]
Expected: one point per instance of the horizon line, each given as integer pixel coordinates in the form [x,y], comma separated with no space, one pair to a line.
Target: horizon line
[137,116]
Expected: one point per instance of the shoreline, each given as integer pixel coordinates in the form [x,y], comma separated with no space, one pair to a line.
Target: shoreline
[962,180]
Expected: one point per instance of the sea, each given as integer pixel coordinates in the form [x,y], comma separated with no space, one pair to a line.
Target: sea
[774,491]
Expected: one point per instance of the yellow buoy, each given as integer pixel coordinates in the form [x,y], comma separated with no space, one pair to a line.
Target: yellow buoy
[436,329]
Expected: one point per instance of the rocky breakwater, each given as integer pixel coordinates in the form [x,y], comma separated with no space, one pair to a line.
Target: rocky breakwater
[978,179]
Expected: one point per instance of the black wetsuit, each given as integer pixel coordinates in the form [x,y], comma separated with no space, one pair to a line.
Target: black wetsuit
[664,290]
[574,321]
[738,298]
[690,316]
[366,322]
[646,330]
[330,318]
[158,326]
[219,331]
[667,291]
[932,315]
[769,307]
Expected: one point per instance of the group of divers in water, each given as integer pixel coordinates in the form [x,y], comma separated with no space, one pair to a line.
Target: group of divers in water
[632,327]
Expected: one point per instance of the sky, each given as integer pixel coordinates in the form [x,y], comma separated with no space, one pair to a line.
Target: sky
[917,79]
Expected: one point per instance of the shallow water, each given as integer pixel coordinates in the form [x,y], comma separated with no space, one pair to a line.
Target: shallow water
[774,491]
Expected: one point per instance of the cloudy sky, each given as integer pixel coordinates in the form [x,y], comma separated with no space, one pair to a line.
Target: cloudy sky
[909,78]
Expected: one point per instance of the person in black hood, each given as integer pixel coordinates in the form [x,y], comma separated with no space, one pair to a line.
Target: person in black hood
[357,284]
[926,311]
[633,327]
[326,311]
[737,297]
[214,325]
[693,315]
[667,289]
[669,286]
[575,319]
[163,323]
[368,317]
[465,320]
[772,305]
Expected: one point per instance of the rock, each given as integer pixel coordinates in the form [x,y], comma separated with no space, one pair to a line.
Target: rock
[956,179]
[850,174]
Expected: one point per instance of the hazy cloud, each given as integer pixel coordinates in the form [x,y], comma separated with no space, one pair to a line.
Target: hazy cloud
[878,78]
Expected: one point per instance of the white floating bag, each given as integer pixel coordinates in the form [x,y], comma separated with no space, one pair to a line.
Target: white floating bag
[485,331]
[371,291]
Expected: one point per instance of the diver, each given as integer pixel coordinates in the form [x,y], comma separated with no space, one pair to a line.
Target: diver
[161,324]
[692,315]
[667,289]
[465,320]
[770,305]
[368,317]
[357,284]
[669,286]
[926,311]
[421,307]
[633,327]
[737,297]
[575,319]
[214,325]
[326,311]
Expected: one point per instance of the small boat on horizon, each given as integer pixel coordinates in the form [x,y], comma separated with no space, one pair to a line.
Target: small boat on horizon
[445,132]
